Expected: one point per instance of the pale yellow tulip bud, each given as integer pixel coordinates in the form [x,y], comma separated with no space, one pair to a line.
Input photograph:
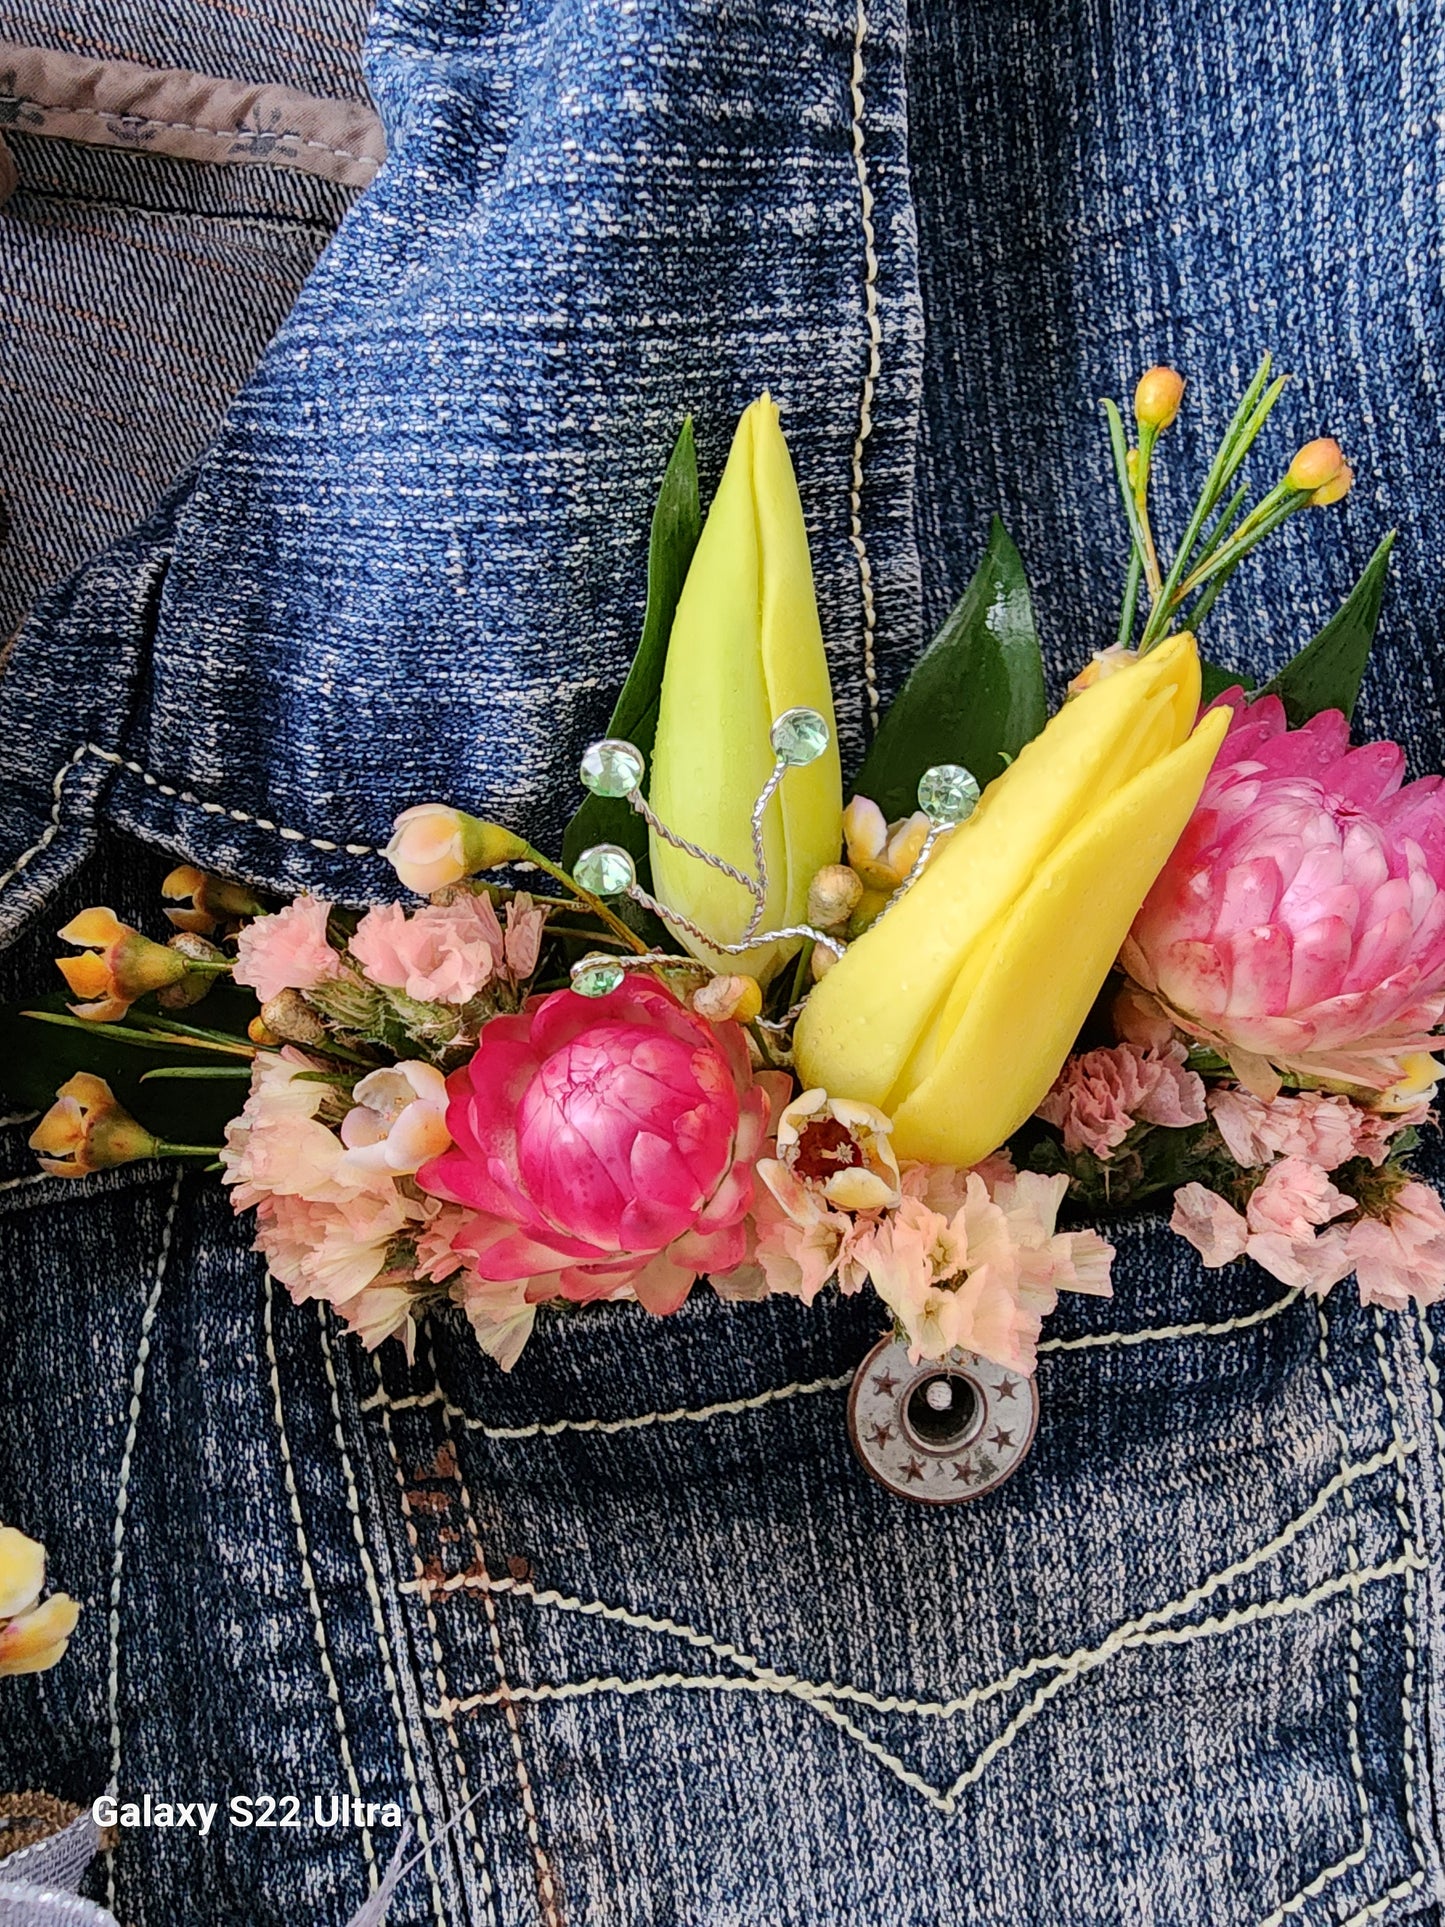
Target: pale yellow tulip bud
[954,1014]
[746,648]
[1157,397]
[433,845]
[1316,465]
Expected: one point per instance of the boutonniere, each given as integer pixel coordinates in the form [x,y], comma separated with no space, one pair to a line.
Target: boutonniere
[1178,938]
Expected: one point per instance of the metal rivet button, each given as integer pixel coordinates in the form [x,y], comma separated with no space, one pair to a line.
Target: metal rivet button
[941,1431]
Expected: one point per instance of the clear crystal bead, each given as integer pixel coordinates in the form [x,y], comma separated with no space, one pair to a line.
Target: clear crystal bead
[948,793]
[799,737]
[597,976]
[606,870]
[613,767]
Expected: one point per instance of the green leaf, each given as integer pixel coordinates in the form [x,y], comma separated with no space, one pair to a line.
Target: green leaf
[39,1057]
[1327,672]
[1214,680]
[676,525]
[976,695]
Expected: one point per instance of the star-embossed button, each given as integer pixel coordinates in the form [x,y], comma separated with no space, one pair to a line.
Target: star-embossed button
[941,1431]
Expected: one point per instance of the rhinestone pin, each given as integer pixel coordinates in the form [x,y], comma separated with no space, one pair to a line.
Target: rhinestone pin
[606,870]
[612,767]
[597,976]
[799,737]
[948,793]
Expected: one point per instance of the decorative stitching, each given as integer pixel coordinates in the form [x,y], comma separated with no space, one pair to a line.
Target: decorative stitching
[219,809]
[945,1800]
[30,1177]
[800,1388]
[177,126]
[1348,1476]
[609,1425]
[1378,1906]
[17,1117]
[308,1580]
[1092,1339]
[122,1501]
[438,1668]
[546,1884]
[870,380]
[378,1619]
[49,833]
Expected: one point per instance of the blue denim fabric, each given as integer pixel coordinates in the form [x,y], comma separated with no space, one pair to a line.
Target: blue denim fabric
[1186,1667]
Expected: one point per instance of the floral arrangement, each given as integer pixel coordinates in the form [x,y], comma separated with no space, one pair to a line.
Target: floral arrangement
[1180,937]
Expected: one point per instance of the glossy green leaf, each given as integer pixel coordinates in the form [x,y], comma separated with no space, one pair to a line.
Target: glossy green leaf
[676,525]
[1327,672]
[39,1057]
[976,695]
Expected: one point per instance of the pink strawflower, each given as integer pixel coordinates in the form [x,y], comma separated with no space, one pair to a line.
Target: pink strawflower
[1322,1128]
[1299,926]
[1401,1257]
[441,953]
[1101,1095]
[287,950]
[604,1145]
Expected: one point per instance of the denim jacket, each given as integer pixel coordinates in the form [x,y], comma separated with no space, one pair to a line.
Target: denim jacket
[636,1601]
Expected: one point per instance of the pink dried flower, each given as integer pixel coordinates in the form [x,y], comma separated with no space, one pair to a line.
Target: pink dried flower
[523,942]
[326,1227]
[1401,1257]
[1280,1227]
[1324,1129]
[986,1278]
[1210,1223]
[604,1145]
[500,1315]
[1101,1095]
[287,950]
[442,953]
[1299,925]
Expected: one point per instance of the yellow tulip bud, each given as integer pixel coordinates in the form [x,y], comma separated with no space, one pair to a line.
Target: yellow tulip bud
[746,647]
[955,1013]
[1157,398]
[1317,464]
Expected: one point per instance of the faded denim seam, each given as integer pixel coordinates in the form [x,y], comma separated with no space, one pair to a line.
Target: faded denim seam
[437,1657]
[308,1582]
[122,1501]
[546,1881]
[378,1621]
